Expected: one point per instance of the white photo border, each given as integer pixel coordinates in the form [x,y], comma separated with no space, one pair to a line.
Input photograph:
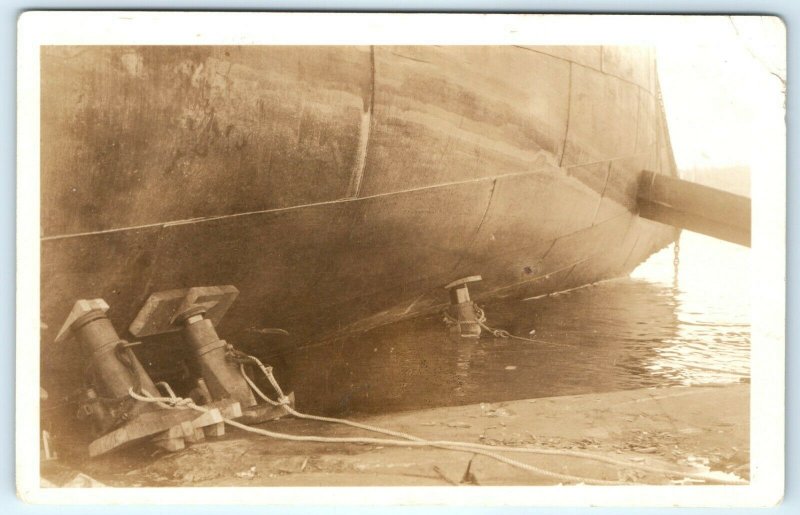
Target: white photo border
[239,28]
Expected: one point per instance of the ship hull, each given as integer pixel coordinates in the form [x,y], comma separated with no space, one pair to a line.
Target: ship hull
[339,188]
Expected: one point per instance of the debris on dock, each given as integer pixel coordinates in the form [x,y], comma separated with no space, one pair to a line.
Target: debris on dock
[692,432]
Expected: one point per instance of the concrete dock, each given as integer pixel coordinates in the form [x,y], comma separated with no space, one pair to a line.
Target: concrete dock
[685,429]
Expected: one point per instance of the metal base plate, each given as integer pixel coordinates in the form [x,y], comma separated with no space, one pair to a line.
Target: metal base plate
[157,316]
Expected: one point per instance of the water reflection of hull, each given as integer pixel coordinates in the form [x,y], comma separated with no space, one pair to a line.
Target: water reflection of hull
[338,187]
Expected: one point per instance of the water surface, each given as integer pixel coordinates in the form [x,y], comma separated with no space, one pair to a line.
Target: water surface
[667,324]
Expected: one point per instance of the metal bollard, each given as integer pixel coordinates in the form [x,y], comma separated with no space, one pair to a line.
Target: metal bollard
[461,315]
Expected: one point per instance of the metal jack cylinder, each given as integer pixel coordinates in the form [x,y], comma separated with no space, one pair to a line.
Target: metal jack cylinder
[114,366]
[461,312]
[195,312]
[221,376]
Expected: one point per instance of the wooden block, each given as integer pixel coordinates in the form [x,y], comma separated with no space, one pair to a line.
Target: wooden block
[175,431]
[209,423]
[231,411]
[228,410]
[146,424]
[215,430]
[187,428]
[171,444]
[172,439]
[191,433]
[212,416]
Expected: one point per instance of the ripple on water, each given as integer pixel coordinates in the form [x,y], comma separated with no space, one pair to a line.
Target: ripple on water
[648,330]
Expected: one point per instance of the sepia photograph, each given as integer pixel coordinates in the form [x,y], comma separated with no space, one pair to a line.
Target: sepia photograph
[494,253]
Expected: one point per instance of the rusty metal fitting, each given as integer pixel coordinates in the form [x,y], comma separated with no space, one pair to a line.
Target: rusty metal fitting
[461,315]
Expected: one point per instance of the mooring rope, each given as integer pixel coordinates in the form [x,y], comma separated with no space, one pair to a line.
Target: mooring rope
[284,401]
[407,439]
[177,403]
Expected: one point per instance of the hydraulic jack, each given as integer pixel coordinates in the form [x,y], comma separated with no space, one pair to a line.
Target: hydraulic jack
[113,372]
[195,312]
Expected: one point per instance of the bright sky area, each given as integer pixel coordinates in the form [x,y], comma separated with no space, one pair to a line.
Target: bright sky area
[723,83]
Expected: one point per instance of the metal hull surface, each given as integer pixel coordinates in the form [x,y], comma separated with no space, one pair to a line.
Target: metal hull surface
[339,188]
